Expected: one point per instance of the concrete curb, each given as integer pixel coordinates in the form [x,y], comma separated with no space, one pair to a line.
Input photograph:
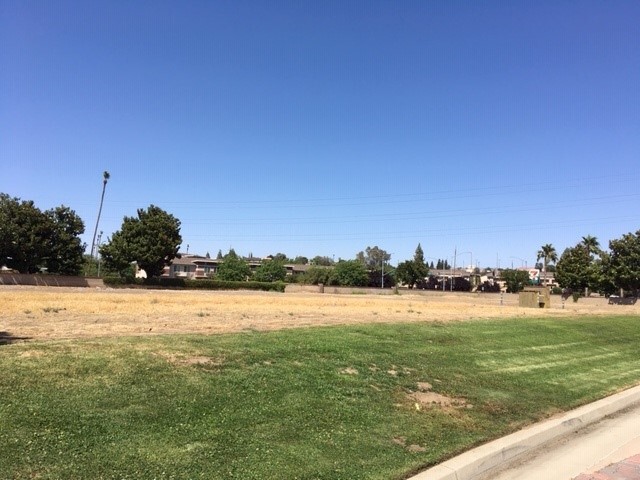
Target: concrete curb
[486,458]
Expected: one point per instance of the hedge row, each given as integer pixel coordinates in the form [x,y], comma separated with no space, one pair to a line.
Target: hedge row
[193,284]
[224,285]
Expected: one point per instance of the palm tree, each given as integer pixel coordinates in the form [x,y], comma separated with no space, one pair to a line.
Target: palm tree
[547,253]
[105,178]
[591,245]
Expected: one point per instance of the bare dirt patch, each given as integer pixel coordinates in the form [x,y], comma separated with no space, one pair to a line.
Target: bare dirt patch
[28,312]
[432,398]
[191,360]
[424,397]
[349,371]
[402,441]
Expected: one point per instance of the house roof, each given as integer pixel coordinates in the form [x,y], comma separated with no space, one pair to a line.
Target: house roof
[194,260]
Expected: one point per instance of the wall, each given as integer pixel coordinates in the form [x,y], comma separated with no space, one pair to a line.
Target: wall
[49,280]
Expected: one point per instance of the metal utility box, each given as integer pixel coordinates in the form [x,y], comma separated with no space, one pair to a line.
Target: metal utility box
[535,297]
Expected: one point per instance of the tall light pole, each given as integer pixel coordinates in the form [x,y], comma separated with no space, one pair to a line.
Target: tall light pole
[98,251]
[105,178]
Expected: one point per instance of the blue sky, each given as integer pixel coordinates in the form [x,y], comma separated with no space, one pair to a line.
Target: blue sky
[321,128]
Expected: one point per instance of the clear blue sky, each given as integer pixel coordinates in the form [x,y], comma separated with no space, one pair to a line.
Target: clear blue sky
[323,127]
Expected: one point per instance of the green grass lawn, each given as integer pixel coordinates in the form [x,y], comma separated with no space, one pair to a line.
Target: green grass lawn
[318,403]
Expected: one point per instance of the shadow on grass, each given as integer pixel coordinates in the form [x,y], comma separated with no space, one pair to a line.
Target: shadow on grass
[6,338]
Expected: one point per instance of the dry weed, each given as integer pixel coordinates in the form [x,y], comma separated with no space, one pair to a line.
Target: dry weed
[87,313]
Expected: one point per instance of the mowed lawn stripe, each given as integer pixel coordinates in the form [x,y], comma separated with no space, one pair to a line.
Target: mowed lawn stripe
[319,403]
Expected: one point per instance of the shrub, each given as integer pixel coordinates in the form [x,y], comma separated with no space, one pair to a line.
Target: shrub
[164,282]
[488,287]
[113,281]
[231,285]
[316,275]
[187,284]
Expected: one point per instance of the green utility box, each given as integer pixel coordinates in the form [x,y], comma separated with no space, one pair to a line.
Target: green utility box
[535,297]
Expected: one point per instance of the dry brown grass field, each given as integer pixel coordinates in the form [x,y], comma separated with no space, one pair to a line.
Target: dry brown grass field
[41,313]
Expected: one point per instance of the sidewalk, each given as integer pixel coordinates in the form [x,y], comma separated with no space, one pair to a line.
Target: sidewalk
[628,469]
[579,445]
[613,440]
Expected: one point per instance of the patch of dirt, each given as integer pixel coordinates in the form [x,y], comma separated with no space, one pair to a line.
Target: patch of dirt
[425,397]
[193,360]
[413,448]
[432,398]
[349,371]
[416,448]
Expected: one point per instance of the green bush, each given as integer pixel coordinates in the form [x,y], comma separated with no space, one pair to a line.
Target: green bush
[231,285]
[163,282]
[556,291]
[316,275]
[113,281]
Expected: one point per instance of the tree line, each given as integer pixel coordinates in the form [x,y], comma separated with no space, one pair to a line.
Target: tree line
[32,240]
[586,267]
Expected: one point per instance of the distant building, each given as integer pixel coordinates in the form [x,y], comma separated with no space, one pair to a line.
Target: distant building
[196,267]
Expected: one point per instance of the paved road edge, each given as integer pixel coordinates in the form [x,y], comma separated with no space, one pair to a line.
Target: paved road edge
[482,460]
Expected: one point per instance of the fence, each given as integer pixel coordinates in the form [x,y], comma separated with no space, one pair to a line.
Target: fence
[49,280]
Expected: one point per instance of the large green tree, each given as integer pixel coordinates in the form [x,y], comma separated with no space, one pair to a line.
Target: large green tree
[413,272]
[31,239]
[233,268]
[375,260]
[373,257]
[24,232]
[270,271]
[573,269]
[515,280]
[350,273]
[624,262]
[65,254]
[407,274]
[151,239]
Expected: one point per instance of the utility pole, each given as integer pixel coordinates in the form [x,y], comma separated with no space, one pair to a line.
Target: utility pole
[453,272]
[383,260]
[105,178]
[98,251]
